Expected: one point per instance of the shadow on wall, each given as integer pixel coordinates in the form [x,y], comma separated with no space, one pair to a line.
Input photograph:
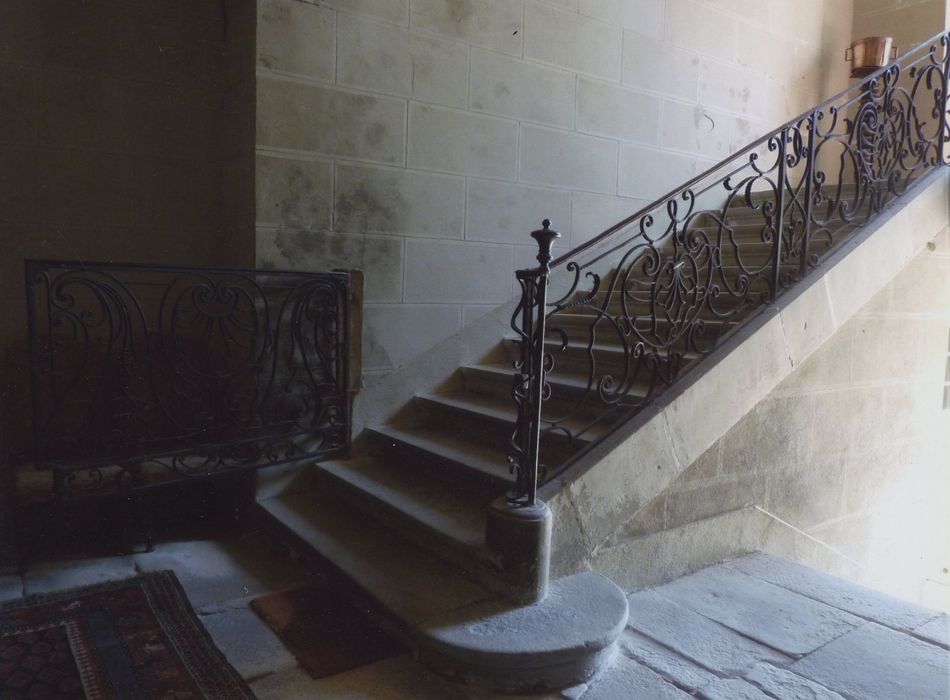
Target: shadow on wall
[126,134]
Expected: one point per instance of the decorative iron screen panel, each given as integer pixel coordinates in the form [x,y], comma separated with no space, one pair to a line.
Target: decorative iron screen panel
[148,374]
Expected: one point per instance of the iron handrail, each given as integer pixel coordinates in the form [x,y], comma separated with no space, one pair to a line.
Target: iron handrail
[669,283]
[856,90]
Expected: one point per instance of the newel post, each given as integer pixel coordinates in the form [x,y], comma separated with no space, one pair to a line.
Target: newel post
[518,530]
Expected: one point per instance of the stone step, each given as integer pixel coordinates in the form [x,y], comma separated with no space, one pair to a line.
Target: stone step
[455,460]
[645,304]
[448,522]
[575,359]
[492,418]
[578,326]
[373,559]
[566,389]
[453,625]
[828,190]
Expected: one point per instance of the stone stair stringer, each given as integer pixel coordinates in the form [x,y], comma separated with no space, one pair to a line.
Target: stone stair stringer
[610,483]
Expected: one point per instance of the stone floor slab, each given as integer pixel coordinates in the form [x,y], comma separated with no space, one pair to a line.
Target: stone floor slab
[772,615]
[733,689]
[784,684]
[291,683]
[10,587]
[666,662]
[707,643]
[937,631]
[53,576]
[223,570]
[875,662]
[247,642]
[628,679]
[834,591]
[398,678]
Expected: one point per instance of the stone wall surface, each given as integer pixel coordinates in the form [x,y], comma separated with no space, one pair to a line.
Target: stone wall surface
[422,140]
[126,134]
[909,22]
[843,463]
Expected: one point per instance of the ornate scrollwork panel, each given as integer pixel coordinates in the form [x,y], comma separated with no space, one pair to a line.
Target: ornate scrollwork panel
[145,374]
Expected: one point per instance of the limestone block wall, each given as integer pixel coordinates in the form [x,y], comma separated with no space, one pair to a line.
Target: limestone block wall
[852,448]
[908,21]
[422,140]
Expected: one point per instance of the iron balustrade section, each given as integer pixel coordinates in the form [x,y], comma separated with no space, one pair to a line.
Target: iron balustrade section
[145,375]
[606,327]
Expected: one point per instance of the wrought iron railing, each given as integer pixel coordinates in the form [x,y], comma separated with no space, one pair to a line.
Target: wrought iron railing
[143,375]
[606,327]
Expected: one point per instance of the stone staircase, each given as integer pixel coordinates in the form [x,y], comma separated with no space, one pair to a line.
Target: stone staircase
[403,523]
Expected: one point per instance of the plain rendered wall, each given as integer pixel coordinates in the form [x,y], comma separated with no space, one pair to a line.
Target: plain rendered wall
[119,140]
[422,140]
[853,447]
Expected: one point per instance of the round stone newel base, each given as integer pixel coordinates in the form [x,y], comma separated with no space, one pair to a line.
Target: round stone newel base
[519,539]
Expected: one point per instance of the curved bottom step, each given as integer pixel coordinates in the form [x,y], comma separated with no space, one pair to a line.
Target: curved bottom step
[456,627]
[562,641]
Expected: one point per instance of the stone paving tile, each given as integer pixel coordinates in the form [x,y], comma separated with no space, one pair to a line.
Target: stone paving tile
[784,620]
[53,576]
[291,683]
[733,689]
[877,662]
[630,679]
[10,587]
[666,662]
[787,685]
[218,571]
[247,642]
[937,631]
[837,592]
[696,637]
[398,678]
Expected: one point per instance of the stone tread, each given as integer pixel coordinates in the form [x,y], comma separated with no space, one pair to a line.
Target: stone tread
[498,409]
[568,319]
[448,513]
[583,612]
[605,353]
[504,371]
[403,579]
[479,457]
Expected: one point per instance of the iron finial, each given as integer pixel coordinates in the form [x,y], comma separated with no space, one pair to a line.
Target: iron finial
[545,237]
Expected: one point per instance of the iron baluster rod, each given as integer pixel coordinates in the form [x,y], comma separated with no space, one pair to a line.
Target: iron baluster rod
[779,221]
[944,154]
[809,178]
[529,383]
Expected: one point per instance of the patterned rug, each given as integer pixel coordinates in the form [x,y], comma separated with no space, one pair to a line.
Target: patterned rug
[137,638]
